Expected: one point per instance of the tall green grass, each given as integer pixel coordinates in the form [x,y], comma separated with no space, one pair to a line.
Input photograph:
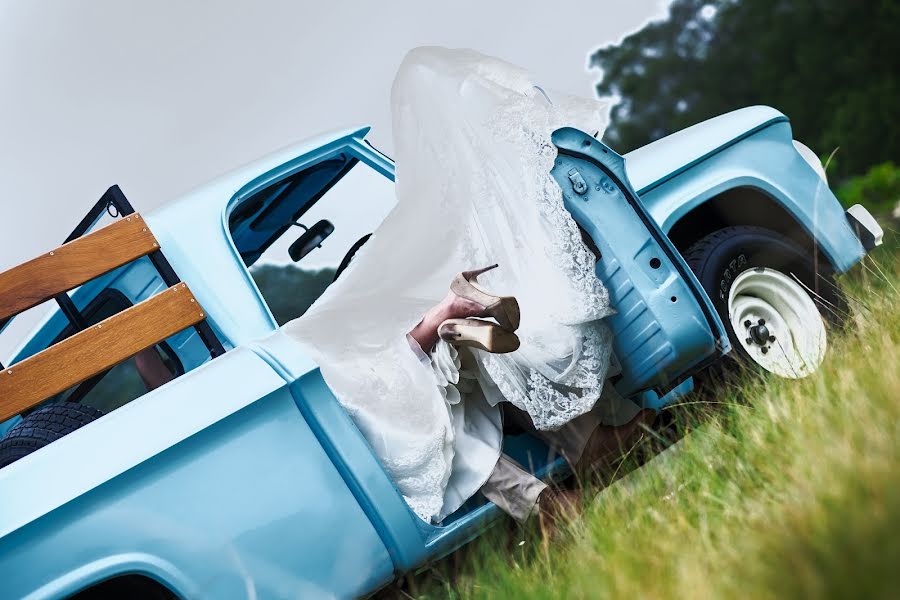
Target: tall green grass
[783,489]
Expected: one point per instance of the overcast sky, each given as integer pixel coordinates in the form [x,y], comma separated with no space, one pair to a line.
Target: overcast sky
[160,96]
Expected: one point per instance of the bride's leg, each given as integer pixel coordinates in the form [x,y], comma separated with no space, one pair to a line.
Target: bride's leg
[451,307]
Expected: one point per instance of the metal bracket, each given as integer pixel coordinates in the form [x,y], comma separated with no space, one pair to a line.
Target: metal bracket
[112,197]
[578,182]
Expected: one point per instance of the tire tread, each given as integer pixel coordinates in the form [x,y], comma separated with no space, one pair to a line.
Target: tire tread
[44,426]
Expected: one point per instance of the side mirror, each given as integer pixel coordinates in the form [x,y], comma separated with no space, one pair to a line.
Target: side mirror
[311,239]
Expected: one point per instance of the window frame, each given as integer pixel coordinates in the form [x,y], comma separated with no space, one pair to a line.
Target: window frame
[354,144]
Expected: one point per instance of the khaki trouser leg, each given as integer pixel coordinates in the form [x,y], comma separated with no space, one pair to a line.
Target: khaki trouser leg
[513,489]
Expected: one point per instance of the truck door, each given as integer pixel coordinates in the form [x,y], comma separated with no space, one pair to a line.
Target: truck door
[665,327]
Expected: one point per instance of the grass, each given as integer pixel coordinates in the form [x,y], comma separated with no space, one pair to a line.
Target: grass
[783,489]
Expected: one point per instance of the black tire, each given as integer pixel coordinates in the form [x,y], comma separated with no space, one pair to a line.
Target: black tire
[721,256]
[43,426]
[132,587]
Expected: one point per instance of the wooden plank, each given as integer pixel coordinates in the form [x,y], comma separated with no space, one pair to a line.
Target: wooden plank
[96,349]
[73,264]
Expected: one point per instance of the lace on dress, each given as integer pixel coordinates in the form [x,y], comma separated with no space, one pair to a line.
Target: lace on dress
[553,390]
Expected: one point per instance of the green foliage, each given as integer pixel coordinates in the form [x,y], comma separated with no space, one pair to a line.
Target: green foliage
[290,290]
[830,65]
[878,190]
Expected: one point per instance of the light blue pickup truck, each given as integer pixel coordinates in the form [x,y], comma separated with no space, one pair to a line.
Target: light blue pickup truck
[239,475]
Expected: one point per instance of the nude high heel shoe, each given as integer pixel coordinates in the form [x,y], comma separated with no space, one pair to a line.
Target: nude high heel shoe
[485,335]
[505,309]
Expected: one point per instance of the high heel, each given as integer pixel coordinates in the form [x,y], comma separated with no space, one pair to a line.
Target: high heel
[478,334]
[505,309]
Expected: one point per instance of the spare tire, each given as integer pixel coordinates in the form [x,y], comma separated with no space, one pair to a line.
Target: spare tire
[42,426]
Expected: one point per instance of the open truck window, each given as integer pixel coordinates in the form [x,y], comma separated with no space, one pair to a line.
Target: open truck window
[297,234]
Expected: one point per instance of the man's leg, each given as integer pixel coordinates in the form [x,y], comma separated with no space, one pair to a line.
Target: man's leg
[582,442]
[513,489]
[585,440]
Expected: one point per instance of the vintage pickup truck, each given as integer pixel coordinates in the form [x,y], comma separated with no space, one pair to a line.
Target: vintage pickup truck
[241,476]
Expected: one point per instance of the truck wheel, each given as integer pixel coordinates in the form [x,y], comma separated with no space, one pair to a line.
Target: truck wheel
[42,426]
[761,284]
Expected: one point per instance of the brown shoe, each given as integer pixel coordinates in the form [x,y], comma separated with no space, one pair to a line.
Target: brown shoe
[556,507]
[608,441]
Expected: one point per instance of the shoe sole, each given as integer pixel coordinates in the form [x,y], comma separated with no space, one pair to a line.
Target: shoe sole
[478,334]
[505,309]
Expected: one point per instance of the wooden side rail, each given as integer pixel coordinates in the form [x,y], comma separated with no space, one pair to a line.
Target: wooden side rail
[73,264]
[96,349]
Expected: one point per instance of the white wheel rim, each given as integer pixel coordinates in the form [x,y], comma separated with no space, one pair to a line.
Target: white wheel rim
[788,315]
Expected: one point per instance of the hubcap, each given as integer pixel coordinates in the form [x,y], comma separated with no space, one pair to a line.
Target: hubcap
[777,323]
[760,333]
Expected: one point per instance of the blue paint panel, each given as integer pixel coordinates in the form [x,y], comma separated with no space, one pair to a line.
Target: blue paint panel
[657,162]
[399,528]
[656,339]
[247,505]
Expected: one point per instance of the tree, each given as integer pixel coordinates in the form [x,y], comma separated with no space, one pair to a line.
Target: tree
[832,66]
[290,290]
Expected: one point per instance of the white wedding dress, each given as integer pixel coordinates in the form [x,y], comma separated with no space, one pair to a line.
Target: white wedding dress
[472,142]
